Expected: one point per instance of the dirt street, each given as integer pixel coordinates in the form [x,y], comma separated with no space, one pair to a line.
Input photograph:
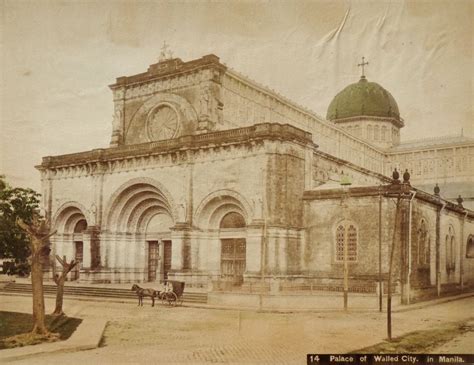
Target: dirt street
[139,335]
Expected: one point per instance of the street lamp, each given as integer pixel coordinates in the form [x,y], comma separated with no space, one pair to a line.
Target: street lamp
[345,183]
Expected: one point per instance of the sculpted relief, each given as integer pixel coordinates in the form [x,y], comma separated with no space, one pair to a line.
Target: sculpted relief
[162,123]
[161,117]
[117,119]
[210,107]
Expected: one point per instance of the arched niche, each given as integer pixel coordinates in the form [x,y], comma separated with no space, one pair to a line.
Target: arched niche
[135,202]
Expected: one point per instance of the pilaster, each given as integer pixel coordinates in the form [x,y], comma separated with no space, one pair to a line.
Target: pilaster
[254,248]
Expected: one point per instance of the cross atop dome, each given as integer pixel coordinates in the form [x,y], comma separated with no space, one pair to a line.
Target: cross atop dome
[362,65]
[166,53]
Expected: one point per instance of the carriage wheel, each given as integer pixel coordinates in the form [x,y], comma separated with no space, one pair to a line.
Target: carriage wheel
[172,299]
[164,298]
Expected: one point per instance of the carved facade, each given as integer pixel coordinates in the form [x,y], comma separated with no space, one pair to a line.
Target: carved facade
[212,178]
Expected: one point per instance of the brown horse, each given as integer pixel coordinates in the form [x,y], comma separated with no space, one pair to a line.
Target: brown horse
[142,292]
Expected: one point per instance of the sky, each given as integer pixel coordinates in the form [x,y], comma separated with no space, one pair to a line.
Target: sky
[58,58]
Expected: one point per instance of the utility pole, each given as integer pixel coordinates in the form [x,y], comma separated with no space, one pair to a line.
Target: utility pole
[345,183]
[380,252]
[390,269]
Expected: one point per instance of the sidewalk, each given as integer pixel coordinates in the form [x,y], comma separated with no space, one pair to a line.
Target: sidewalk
[395,307]
[87,336]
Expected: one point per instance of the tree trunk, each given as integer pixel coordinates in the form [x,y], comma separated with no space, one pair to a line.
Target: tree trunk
[39,233]
[38,298]
[59,280]
[58,310]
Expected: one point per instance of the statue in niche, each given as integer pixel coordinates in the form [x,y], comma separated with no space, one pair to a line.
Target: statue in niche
[182,211]
[117,120]
[258,206]
[93,212]
[205,101]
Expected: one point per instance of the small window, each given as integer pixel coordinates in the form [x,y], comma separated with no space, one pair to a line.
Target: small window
[470,247]
[232,220]
[423,254]
[81,226]
[384,133]
[346,233]
[450,250]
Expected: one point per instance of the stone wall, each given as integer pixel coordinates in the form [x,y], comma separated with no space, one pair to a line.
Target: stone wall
[194,181]
[325,209]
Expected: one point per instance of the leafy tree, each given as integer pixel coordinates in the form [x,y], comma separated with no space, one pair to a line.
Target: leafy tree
[16,203]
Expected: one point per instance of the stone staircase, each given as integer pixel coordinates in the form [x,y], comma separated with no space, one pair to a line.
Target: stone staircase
[90,291]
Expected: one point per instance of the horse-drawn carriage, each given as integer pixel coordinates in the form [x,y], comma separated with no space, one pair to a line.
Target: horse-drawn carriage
[172,293]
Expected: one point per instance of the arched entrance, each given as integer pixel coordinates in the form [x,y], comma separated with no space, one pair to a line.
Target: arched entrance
[138,224]
[78,240]
[158,241]
[223,217]
[233,248]
[71,225]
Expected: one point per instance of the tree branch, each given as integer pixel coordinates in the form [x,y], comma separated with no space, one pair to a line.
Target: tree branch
[61,261]
[44,238]
[71,266]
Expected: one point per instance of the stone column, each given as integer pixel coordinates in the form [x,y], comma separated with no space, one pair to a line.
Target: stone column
[308,169]
[271,251]
[213,252]
[181,247]
[86,250]
[130,259]
[195,248]
[283,253]
[177,248]
[254,248]
[161,263]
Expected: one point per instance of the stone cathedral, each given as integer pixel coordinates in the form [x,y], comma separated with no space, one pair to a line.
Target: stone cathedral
[215,180]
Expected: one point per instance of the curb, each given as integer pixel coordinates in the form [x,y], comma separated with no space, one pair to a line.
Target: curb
[395,309]
[86,337]
[430,303]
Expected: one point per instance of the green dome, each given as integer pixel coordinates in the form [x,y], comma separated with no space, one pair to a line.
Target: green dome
[363,98]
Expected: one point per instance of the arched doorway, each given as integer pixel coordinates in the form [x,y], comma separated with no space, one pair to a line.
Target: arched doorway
[158,241]
[71,225]
[233,248]
[138,222]
[79,229]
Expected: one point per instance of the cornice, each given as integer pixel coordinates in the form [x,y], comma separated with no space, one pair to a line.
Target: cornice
[165,69]
[386,191]
[240,136]
[397,122]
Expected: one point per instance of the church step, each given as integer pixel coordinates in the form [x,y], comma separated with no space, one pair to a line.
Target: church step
[96,292]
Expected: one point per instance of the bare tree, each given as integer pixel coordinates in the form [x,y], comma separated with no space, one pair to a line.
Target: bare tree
[38,232]
[59,280]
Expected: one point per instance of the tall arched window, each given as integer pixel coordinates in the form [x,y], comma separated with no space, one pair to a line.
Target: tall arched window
[470,247]
[346,232]
[376,133]
[450,250]
[369,132]
[384,133]
[423,256]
